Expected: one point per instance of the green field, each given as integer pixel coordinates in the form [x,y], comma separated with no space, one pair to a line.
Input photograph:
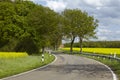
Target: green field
[10,66]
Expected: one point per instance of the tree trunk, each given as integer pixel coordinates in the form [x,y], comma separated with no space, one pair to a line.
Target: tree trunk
[43,49]
[81,41]
[55,47]
[71,46]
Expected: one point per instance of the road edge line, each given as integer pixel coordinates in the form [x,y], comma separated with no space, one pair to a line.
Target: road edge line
[113,74]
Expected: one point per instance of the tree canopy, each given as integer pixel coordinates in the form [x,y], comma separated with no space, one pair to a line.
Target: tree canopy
[22,22]
[79,24]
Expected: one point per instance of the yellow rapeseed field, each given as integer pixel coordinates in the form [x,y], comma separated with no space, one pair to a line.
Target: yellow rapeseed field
[98,50]
[12,54]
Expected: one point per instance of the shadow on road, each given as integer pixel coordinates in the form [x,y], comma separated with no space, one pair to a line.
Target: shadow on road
[79,69]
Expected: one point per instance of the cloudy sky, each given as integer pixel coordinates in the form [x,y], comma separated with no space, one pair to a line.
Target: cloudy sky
[106,11]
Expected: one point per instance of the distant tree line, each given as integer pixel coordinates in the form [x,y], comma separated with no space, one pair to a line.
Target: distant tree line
[26,26]
[97,44]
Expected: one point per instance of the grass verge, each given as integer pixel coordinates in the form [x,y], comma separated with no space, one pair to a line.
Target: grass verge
[12,66]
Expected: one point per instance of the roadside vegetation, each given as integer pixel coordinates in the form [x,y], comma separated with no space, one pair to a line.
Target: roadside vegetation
[11,66]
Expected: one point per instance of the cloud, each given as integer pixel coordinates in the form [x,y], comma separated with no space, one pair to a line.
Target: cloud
[106,11]
[56,5]
[95,3]
[107,33]
[102,38]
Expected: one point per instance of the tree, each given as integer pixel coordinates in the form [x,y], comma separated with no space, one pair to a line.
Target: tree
[13,24]
[70,22]
[56,36]
[87,25]
[5,0]
[12,20]
[42,22]
[79,24]
[8,21]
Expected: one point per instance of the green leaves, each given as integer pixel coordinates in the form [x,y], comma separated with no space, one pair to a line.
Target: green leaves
[43,22]
[79,24]
[23,19]
[13,22]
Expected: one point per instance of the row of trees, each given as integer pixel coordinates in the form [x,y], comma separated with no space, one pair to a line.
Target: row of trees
[25,26]
[97,44]
[79,24]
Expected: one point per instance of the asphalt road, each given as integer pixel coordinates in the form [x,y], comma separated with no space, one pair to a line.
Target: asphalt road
[69,67]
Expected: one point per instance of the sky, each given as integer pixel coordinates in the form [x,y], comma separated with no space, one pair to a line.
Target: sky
[106,11]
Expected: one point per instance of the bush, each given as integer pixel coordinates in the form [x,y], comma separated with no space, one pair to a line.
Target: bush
[8,45]
[3,43]
[27,45]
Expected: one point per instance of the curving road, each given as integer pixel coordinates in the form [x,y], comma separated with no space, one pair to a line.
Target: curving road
[69,67]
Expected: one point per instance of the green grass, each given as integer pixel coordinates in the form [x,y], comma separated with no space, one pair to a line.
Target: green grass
[13,66]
